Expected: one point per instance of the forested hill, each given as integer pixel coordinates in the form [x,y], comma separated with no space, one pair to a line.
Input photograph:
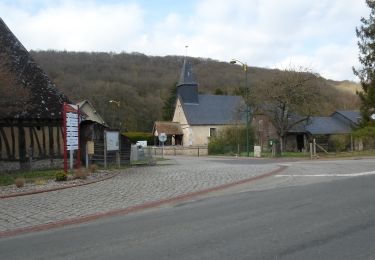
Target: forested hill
[142,83]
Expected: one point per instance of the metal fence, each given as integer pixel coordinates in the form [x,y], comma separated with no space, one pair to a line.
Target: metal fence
[100,157]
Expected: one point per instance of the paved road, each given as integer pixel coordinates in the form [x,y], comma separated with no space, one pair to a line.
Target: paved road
[181,175]
[132,187]
[301,220]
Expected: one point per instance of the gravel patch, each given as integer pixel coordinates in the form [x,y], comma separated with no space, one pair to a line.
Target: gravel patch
[51,184]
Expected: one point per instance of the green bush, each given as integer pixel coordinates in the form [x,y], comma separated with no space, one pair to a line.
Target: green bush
[366,135]
[215,146]
[140,136]
[365,132]
[61,176]
[339,143]
[228,140]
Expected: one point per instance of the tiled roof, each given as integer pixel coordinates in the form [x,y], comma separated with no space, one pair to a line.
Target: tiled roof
[46,99]
[169,128]
[215,110]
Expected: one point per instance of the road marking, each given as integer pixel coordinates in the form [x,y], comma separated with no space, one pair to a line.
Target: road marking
[328,175]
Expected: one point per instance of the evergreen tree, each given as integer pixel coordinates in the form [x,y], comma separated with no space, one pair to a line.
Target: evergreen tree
[366,74]
[170,103]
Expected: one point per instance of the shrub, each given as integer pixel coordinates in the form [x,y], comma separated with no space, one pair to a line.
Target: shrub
[228,139]
[366,132]
[61,176]
[20,182]
[80,173]
[215,147]
[140,136]
[366,135]
[93,168]
[339,142]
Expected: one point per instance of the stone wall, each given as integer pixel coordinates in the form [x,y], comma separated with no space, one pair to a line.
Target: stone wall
[8,166]
[177,150]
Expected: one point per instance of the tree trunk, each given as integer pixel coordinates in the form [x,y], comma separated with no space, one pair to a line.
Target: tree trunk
[279,147]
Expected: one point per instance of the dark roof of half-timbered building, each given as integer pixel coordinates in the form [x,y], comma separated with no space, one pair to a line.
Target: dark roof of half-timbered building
[44,100]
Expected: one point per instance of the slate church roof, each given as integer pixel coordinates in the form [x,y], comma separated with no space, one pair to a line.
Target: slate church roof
[45,99]
[187,88]
[187,76]
[206,109]
[215,110]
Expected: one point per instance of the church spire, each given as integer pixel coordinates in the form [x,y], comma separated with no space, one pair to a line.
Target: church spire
[187,76]
[187,87]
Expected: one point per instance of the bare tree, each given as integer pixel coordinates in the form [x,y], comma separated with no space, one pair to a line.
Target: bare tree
[291,100]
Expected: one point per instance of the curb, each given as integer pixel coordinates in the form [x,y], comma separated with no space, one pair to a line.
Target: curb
[132,209]
[62,187]
[57,188]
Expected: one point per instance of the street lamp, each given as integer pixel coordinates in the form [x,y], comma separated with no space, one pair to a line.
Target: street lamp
[116,102]
[244,67]
[118,110]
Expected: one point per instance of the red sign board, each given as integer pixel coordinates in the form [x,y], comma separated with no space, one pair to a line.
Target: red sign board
[71,117]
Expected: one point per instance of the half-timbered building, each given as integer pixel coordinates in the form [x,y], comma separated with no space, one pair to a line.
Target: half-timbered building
[30,105]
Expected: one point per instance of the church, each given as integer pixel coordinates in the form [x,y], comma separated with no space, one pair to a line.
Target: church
[202,116]
[198,117]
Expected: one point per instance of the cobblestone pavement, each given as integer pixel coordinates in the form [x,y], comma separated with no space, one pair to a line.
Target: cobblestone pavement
[134,186]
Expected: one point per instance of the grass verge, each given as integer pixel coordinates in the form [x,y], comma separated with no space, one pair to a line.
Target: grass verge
[29,176]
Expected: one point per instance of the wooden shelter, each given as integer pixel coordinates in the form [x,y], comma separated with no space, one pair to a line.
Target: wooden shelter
[171,129]
[92,129]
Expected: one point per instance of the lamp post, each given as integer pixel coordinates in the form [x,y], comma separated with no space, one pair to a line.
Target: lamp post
[244,67]
[118,110]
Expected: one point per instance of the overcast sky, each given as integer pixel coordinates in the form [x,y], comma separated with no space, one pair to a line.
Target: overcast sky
[319,35]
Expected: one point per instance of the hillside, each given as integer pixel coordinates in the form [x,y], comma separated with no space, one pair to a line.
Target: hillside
[142,83]
[348,86]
